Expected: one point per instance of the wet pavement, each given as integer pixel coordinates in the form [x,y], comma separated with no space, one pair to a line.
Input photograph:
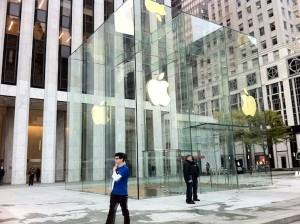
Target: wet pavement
[279,203]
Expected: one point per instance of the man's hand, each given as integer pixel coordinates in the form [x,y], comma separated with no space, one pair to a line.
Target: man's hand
[190,181]
[115,168]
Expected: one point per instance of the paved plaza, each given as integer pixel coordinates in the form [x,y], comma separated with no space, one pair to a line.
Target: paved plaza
[279,203]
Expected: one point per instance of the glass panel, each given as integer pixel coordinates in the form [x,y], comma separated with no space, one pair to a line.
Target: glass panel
[160,88]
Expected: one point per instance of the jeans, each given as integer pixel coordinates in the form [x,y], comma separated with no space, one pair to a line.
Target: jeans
[115,200]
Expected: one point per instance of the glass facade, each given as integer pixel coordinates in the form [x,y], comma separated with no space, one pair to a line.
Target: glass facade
[158,88]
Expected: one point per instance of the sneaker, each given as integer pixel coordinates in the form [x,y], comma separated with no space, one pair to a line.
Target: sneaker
[190,202]
[196,199]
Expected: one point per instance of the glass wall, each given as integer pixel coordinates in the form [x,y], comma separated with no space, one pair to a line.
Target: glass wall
[160,88]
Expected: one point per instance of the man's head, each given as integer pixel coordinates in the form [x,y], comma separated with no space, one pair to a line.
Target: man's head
[120,158]
[189,158]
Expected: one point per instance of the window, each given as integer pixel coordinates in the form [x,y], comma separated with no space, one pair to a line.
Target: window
[201,94]
[231,50]
[276,55]
[284,25]
[243,53]
[283,11]
[258,5]
[269,1]
[262,31]
[11,43]
[240,15]
[251,79]
[88,18]
[272,26]
[270,13]
[232,85]
[250,22]
[292,28]
[39,45]
[263,44]
[272,72]
[255,63]
[241,28]
[265,59]
[245,66]
[215,90]
[228,22]
[290,14]
[251,34]
[260,17]
[249,9]
[274,40]
[64,43]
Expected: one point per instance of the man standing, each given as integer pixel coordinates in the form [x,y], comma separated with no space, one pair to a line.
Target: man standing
[2,173]
[119,193]
[191,174]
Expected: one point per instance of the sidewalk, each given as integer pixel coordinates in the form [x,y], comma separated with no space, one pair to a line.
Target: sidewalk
[275,204]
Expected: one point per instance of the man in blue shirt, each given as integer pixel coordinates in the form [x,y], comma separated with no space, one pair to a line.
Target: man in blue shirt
[119,193]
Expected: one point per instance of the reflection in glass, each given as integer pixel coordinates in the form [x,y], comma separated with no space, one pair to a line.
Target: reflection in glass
[202,67]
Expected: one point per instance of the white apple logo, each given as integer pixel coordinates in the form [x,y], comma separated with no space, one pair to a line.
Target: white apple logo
[248,104]
[158,91]
[99,114]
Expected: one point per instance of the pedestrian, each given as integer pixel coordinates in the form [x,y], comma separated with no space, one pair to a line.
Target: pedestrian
[31,174]
[2,173]
[38,174]
[191,174]
[119,193]
[207,166]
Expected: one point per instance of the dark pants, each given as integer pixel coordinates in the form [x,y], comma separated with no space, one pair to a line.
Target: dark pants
[114,203]
[1,180]
[31,178]
[191,190]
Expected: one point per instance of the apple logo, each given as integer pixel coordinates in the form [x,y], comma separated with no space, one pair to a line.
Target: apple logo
[99,114]
[248,104]
[156,8]
[157,90]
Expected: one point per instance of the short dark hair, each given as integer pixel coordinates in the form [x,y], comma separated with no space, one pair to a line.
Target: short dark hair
[121,155]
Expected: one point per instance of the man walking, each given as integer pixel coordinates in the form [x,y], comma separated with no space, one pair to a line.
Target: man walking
[119,193]
[191,174]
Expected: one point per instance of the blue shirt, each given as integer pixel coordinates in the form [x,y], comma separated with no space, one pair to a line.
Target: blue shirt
[120,186]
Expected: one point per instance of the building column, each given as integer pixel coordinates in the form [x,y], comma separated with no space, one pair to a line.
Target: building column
[139,88]
[172,92]
[157,140]
[120,109]
[3,8]
[99,92]
[8,132]
[75,106]
[50,101]
[19,160]
[288,101]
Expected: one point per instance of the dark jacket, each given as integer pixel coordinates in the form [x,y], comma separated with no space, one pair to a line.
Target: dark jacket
[2,172]
[190,170]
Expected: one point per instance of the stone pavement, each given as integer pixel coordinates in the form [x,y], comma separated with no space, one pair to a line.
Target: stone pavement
[276,204]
